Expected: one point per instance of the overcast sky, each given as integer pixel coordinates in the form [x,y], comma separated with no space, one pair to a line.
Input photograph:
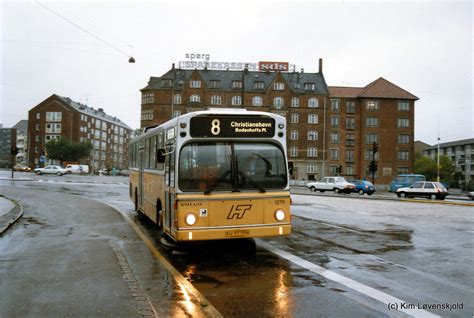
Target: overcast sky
[422,46]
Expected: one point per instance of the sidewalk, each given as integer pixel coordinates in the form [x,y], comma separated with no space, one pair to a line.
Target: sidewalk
[9,213]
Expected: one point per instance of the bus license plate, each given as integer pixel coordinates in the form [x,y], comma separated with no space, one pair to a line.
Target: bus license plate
[237,233]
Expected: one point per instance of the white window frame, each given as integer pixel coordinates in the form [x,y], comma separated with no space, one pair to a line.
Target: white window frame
[236,100]
[313,102]
[295,102]
[195,84]
[278,86]
[257,101]
[313,119]
[278,102]
[216,100]
[195,98]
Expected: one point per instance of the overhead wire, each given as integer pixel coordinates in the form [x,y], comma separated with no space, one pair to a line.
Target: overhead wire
[82,29]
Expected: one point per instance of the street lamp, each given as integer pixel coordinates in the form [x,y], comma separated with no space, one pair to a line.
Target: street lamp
[438,160]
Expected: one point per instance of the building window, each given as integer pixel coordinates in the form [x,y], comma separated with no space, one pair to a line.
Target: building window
[293,151]
[334,153]
[403,155]
[167,82]
[335,121]
[349,155]
[38,138]
[195,84]
[148,98]
[147,114]
[350,107]
[236,84]
[334,137]
[195,98]
[38,115]
[37,126]
[372,105]
[403,139]
[278,102]
[350,140]
[177,99]
[295,102]
[371,138]
[52,137]
[312,168]
[176,113]
[236,100]
[278,86]
[309,86]
[215,84]
[312,118]
[350,123]
[294,118]
[372,122]
[313,102]
[257,101]
[403,123]
[312,152]
[53,128]
[350,170]
[335,105]
[369,154]
[312,135]
[216,100]
[403,105]
[258,85]
[403,170]
[54,116]
[294,135]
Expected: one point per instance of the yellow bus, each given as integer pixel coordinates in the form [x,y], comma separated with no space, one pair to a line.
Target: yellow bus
[213,174]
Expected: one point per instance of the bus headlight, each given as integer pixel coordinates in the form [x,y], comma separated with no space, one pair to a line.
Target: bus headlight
[279,215]
[190,219]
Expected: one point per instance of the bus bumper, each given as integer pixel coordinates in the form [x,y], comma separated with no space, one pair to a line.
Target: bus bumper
[232,233]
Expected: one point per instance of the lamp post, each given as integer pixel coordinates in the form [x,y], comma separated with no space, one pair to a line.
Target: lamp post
[437,165]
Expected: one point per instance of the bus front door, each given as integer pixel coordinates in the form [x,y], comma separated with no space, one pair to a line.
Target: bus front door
[170,191]
[141,159]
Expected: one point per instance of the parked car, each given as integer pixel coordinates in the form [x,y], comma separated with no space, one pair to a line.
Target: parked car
[22,168]
[470,195]
[73,168]
[405,180]
[428,189]
[51,169]
[363,186]
[336,184]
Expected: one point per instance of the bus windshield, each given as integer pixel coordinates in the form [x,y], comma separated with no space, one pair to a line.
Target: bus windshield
[231,166]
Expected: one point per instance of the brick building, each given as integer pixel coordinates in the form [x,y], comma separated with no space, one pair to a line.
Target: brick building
[60,117]
[328,127]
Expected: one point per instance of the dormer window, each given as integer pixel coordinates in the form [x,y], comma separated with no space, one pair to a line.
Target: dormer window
[309,86]
[167,82]
[236,84]
[278,86]
[215,84]
[258,85]
[195,84]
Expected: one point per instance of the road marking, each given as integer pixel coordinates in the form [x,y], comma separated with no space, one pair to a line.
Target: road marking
[363,213]
[373,293]
[202,303]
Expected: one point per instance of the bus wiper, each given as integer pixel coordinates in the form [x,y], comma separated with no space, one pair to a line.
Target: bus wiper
[219,180]
[262,190]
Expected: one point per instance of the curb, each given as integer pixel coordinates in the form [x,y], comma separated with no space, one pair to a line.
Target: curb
[11,217]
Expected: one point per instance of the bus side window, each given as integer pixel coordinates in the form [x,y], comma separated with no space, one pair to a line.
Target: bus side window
[160,158]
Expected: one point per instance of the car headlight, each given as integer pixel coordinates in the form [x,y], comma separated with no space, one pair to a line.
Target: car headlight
[190,219]
[279,215]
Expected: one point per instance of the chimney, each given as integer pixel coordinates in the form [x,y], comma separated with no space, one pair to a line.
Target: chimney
[320,66]
[100,110]
[172,66]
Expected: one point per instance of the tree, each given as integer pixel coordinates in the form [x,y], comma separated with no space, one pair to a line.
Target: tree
[66,150]
[428,167]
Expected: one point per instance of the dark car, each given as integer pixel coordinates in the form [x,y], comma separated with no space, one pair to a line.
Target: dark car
[363,186]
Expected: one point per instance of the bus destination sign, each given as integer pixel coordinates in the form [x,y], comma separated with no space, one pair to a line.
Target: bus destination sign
[232,126]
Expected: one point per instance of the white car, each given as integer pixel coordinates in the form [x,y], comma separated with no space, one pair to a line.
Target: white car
[428,189]
[336,184]
[51,169]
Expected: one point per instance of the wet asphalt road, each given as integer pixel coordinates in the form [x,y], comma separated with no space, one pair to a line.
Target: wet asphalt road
[413,253]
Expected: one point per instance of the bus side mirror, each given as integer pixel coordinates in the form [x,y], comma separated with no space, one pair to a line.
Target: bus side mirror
[160,156]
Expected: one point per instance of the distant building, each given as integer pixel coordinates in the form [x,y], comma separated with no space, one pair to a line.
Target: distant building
[22,141]
[7,141]
[60,117]
[461,152]
[328,127]
[420,146]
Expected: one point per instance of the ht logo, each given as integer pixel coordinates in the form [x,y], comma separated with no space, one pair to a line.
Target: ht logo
[239,211]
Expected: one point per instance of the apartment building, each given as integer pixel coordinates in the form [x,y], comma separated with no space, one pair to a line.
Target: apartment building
[60,117]
[461,153]
[328,127]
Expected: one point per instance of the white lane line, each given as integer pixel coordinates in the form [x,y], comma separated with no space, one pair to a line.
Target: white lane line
[373,293]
